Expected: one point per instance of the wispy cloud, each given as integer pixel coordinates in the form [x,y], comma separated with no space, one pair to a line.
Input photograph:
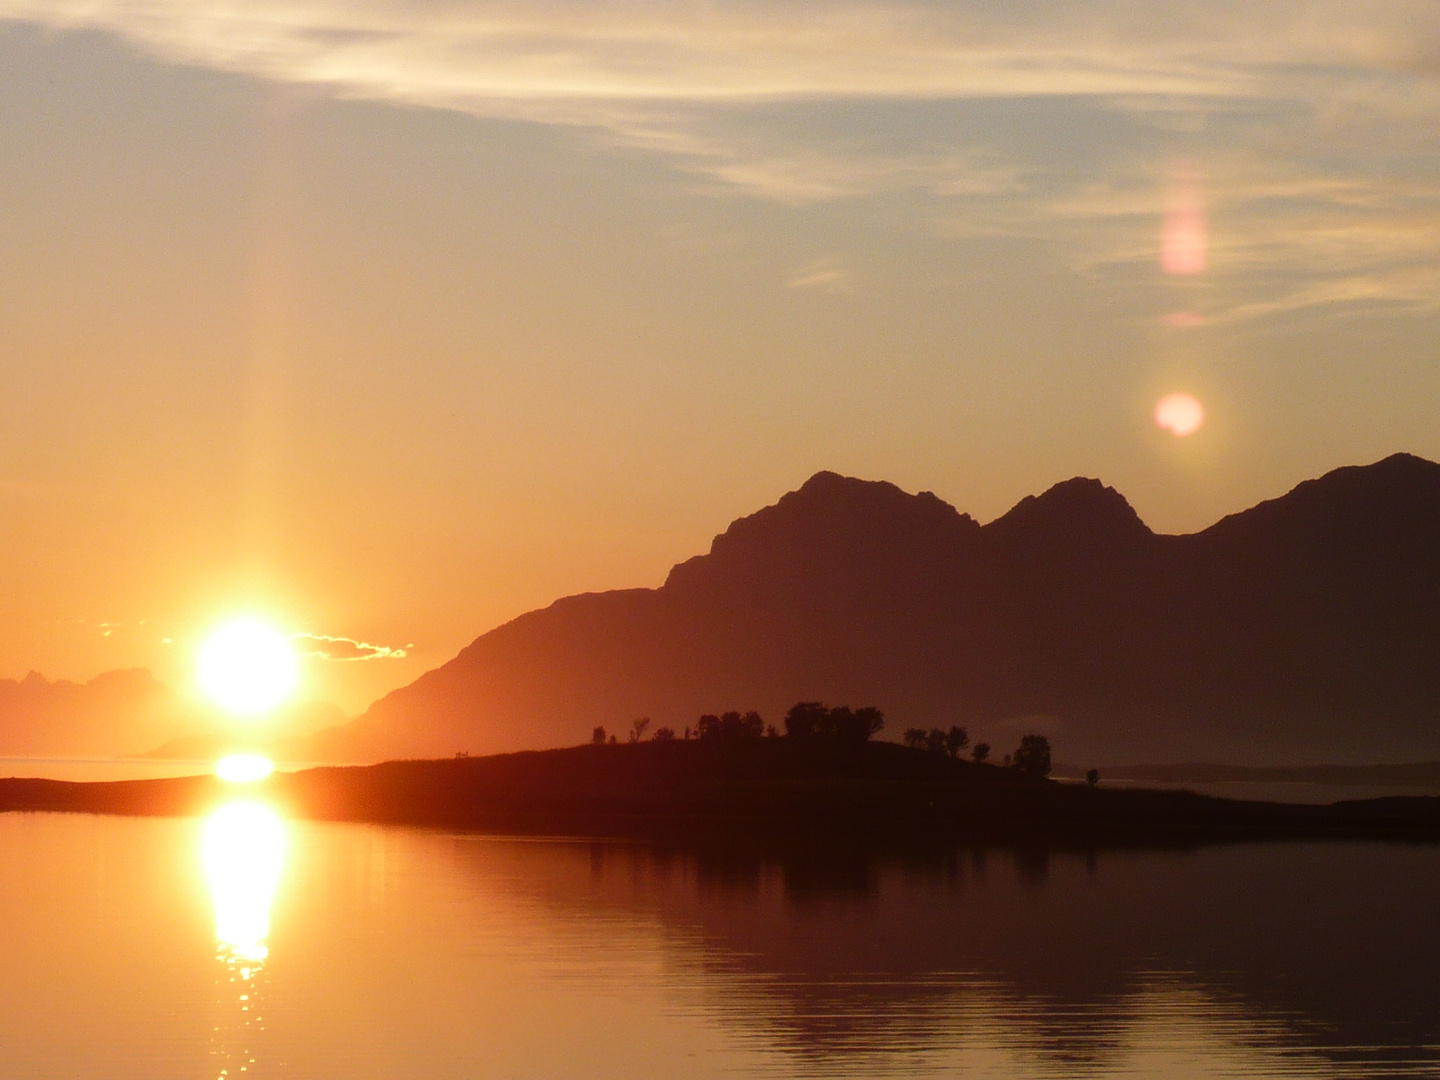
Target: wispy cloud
[325,647]
[490,55]
[1284,237]
[1310,114]
[823,275]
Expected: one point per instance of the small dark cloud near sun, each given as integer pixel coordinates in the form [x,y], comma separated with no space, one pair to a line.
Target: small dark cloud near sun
[326,647]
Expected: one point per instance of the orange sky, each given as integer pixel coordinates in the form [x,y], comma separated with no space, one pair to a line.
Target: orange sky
[390,321]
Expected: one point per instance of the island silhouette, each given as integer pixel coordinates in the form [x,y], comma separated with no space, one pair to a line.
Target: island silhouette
[734,780]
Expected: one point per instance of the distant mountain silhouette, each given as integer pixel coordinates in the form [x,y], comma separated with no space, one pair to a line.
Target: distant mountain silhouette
[130,713]
[113,715]
[284,735]
[1304,629]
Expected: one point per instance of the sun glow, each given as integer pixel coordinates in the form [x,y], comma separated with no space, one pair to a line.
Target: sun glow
[248,667]
[243,768]
[244,849]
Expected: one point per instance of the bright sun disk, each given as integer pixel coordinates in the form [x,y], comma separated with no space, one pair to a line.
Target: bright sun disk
[1179,414]
[248,667]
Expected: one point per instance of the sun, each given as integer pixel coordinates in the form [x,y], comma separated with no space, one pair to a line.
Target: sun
[247,667]
[1179,414]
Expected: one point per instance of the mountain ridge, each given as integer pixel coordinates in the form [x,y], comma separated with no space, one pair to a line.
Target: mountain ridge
[1303,626]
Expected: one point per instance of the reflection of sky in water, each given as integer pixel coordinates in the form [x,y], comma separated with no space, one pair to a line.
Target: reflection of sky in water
[397,953]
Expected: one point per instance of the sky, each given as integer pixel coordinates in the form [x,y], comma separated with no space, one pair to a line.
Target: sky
[387,321]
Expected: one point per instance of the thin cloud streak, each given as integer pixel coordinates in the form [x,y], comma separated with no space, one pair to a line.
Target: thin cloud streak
[326,647]
[823,275]
[1285,92]
[485,56]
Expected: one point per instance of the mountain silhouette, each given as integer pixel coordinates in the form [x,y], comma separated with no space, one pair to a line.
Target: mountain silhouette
[1304,629]
[130,712]
[118,713]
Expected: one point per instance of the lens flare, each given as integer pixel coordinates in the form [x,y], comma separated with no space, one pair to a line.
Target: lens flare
[244,768]
[1179,414]
[1184,320]
[1183,239]
[244,849]
[248,667]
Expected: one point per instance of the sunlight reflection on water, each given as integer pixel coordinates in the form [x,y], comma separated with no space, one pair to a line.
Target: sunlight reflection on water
[251,945]
[243,849]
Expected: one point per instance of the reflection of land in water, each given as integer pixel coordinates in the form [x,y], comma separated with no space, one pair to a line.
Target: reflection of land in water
[1290,791]
[1301,950]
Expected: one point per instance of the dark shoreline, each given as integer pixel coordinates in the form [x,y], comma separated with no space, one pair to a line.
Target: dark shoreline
[755,793]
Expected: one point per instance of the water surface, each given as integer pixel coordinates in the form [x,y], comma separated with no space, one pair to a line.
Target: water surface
[247,945]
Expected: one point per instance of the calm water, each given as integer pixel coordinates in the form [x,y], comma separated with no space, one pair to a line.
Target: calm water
[101,769]
[246,945]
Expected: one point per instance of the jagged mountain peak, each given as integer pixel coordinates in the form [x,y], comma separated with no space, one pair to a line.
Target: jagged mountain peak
[831,495]
[1281,639]
[833,514]
[1080,511]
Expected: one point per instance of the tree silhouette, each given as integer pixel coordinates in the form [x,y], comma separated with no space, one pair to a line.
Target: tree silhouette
[812,720]
[980,752]
[804,719]
[1033,756]
[854,726]
[598,736]
[915,738]
[749,726]
[956,739]
[1092,777]
[935,741]
[637,729]
[663,734]
[730,727]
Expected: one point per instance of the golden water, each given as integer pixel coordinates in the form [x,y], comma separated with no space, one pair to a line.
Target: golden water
[246,945]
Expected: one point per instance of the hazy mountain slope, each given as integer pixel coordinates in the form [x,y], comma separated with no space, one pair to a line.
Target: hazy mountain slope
[113,715]
[132,713]
[1306,628]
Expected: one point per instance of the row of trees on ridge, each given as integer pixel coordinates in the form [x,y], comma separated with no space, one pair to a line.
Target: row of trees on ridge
[812,720]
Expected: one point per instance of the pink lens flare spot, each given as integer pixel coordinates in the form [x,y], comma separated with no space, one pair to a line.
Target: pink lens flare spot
[1182,234]
[1184,320]
[1179,414]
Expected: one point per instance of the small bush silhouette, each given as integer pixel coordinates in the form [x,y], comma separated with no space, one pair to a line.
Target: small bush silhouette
[1092,777]
[663,734]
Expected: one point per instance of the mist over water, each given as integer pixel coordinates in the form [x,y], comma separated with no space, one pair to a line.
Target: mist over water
[383,952]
